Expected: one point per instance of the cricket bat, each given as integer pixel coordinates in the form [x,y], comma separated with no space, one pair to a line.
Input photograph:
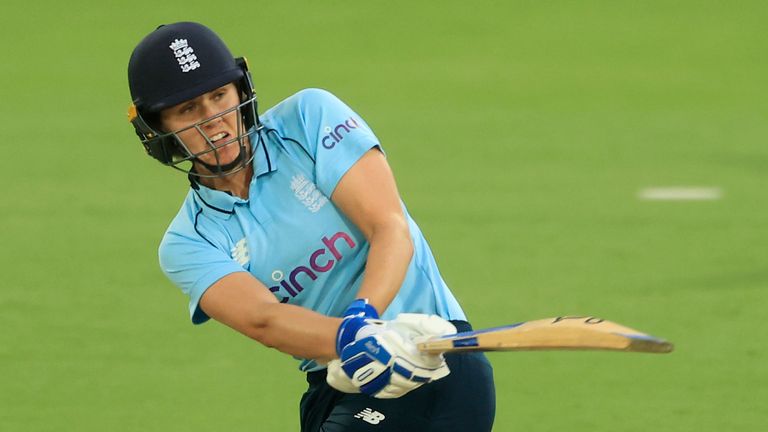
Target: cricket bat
[559,333]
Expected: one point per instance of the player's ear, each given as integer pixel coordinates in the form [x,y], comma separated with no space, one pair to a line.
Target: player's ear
[155,121]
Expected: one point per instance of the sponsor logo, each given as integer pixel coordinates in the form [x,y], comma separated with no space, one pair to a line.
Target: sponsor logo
[318,262]
[308,193]
[372,347]
[370,416]
[185,55]
[337,133]
[240,252]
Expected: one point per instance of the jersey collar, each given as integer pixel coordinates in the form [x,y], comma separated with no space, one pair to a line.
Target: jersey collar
[263,162]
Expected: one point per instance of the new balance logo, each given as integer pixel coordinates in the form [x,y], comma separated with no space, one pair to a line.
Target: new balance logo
[370,416]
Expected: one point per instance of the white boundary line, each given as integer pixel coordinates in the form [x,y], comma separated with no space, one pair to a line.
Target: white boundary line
[680,193]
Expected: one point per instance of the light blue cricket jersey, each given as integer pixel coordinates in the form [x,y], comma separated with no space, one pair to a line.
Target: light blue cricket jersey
[288,234]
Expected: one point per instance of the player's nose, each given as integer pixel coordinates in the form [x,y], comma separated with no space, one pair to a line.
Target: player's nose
[210,111]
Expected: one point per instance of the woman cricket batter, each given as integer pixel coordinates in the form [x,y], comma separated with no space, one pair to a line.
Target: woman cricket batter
[293,233]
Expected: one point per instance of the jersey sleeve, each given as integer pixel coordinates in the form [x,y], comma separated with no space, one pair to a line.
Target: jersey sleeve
[193,264]
[335,136]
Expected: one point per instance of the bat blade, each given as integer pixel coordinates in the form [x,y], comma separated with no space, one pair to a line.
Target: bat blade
[559,333]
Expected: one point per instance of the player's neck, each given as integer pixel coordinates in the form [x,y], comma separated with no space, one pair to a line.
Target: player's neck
[237,184]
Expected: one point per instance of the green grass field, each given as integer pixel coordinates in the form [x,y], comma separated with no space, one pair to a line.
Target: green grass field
[520,134]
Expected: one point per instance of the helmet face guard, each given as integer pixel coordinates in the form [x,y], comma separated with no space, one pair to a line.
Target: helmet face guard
[169,148]
[176,63]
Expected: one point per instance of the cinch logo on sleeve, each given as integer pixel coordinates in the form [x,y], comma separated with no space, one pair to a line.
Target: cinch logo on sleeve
[318,263]
[336,134]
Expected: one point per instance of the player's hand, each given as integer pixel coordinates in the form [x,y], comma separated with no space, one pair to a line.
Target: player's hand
[354,319]
[382,359]
[420,327]
[360,308]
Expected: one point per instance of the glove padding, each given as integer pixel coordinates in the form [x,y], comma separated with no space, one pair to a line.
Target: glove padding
[383,361]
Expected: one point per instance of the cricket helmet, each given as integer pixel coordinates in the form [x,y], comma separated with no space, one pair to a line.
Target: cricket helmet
[178,62]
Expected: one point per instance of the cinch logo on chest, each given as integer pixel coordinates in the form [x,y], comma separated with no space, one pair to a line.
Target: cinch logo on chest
[335,135]
[317,264]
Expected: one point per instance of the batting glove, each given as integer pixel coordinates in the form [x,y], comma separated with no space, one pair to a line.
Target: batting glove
[354,320]
[382,360]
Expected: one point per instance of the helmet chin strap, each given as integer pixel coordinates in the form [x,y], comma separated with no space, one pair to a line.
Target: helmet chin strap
[222,170]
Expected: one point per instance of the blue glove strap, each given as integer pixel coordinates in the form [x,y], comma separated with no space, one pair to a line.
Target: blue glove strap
[347,332]
[359,354]
[360,307]
[377,384]
[354,319]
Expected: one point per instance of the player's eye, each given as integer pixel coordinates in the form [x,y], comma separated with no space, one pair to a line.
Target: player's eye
[186,109]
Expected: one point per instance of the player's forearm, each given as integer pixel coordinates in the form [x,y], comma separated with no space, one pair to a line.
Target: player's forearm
[296,331]
[307,334]
[243,303]
[391,250]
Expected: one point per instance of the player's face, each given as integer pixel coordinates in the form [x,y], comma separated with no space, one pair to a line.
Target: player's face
[221,131]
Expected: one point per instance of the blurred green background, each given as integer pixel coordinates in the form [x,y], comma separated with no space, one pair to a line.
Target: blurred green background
[520,134]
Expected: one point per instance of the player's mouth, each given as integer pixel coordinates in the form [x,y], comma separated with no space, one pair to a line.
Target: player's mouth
[219,137]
